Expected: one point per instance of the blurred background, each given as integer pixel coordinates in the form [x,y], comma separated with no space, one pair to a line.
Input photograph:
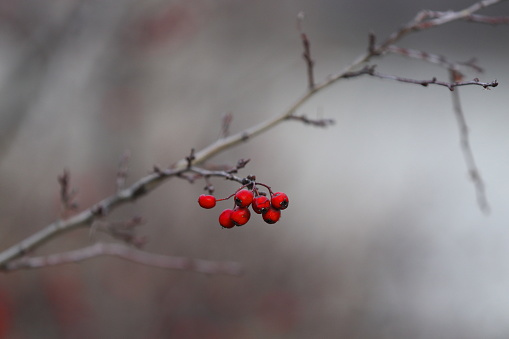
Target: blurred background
[383,237]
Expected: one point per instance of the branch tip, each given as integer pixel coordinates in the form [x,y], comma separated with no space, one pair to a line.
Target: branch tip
[372,44]
[307,52]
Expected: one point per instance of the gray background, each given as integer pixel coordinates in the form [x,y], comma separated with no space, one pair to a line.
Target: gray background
[383,237]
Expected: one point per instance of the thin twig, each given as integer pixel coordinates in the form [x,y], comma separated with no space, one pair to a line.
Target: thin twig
[427,19]
[433,58]
[127,253]
[450,85]
[226,123]
[370,70]
[67,195]
[312,122]
[307,51]
[490,20]
[190,158]
[201,172]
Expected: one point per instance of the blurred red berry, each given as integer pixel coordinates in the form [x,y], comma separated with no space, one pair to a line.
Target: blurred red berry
[243,198]
[279,200]
[207,201]
[261,204]
[240,216]
[225,219]
[272,215]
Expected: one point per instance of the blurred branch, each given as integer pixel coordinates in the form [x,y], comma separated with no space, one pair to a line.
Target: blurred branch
[427,19]
[67,195]
[127,253]
[226,123]
[307,51]
[490,20]
[468,155]
[86,218]
[312,122]
[436,59]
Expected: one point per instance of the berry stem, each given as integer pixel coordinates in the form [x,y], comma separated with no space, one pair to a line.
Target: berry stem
[241,187]
[227,198]
[266,186]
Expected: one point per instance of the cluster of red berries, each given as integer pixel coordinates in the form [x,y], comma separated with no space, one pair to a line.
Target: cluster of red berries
[248,195]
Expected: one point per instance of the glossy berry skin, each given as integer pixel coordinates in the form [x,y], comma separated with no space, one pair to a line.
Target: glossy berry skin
[261,204]
[240,216]
[272,215]
[279,200]
[207,201]
[243,198]
[225,219]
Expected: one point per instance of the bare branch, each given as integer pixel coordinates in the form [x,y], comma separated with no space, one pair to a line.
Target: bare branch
[67,194]
[201,172]
[433,58]
[190,158]
[370,70]
[145,185]
[87,217]
[482,19]
[127,253]
[427,19]
[440,18]
[226,122]
[490,20]
[101,209]
[312,122]
[234,139]
[423,20]
[450,85]
[307,51]
[372,44]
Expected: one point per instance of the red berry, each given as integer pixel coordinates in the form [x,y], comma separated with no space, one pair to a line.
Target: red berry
[272,215]
[261,204]
[225,219]
[207,201]
[243,198]
[240,216]
[279,200]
